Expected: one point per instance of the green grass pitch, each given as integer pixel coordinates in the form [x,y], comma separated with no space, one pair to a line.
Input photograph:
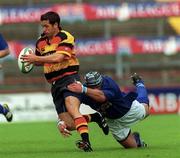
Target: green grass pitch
[42,140]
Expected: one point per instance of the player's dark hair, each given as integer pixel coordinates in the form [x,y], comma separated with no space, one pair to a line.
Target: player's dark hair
[53,18]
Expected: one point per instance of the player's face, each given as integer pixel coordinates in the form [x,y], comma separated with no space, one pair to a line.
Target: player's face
[48,29]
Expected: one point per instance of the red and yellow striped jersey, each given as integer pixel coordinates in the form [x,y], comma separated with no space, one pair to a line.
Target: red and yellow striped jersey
[62,43]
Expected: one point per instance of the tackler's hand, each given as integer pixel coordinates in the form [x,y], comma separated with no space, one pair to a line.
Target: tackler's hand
[76,87]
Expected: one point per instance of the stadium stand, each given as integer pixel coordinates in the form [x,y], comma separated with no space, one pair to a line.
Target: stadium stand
[157,69]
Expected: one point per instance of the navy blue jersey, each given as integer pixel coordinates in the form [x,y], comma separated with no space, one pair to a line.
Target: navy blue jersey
[118,103]
[3,43]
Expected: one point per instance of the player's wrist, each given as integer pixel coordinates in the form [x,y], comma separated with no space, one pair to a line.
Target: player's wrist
[84,89]
[60,122]
[37,59]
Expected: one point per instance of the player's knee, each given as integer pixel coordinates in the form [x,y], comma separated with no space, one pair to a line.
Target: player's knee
[146,107]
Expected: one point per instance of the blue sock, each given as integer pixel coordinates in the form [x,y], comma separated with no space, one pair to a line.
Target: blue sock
[142,93]
[3,110]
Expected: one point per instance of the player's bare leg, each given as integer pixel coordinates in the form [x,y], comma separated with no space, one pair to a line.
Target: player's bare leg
[133,141]
[72,106]
[129,142]
[66,117]
[65,124]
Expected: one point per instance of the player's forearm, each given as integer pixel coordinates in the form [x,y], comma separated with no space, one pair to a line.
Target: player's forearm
[96,94]
[4,53]
[55,58]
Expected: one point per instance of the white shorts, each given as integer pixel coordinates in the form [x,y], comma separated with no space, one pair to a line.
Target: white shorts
[120,127]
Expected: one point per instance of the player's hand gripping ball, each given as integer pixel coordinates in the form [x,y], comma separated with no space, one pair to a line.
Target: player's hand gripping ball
[25,67]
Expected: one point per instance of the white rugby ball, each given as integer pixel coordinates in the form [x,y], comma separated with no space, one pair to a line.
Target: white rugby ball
[23,66]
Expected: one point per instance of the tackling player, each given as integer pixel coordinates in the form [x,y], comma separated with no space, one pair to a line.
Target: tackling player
[121,110]
[4,51]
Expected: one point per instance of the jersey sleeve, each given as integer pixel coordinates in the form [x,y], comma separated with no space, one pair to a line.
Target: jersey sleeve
[109,93]
[3,43]
[66,45]
[109,87]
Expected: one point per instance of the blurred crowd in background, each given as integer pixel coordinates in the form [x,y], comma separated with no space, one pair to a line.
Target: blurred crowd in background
[117,38]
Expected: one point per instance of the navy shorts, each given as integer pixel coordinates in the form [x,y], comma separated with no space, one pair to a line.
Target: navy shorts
[59,92]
